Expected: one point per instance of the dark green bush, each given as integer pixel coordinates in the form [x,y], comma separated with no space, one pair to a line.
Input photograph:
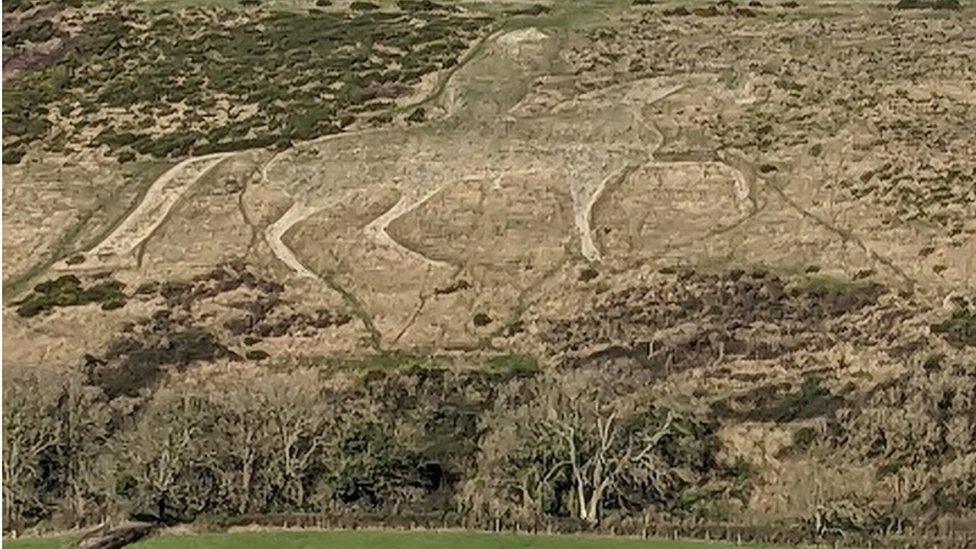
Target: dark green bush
[518,364]
[67,291]
[360,5]
[960,328]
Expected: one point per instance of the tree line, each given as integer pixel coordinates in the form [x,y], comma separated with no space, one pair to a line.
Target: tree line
[481,445]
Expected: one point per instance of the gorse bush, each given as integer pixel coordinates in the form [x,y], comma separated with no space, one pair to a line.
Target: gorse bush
[67,291]
[248,78]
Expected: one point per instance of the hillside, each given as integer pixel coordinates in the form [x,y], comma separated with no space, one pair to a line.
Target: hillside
[576,266]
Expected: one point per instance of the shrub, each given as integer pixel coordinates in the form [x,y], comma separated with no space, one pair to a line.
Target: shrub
[517,364]
[67,291]
[359,5]
[928,4]
[803,438]
[960,328]
[256,354]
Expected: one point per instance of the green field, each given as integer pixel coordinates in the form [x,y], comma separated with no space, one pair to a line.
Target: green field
[384,540]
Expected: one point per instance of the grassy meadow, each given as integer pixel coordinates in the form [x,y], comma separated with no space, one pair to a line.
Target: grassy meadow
[380,539]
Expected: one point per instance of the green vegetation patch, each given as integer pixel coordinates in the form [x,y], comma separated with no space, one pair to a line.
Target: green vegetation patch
[832,286]
[517,364]
[170,83]
[505,364]
[960,328]
[393,361]
[928,4]
[67,291]
[53,542]
[385,540]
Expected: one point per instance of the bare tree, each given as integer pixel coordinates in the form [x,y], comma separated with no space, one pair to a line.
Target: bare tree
[84,419]
[600,449]
[243,440]
[31,431]
[166,462]
[299,423]
[559,443]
